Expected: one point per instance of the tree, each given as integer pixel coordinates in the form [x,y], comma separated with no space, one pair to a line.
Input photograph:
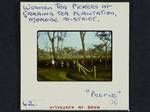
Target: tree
[82,36]
[52,37]
[69,52]
[60,38]
[105,37]
[98,48]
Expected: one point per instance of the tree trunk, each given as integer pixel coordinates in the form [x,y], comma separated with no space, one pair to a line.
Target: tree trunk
[58,45]
[61,45]
[53,50]
[51,39]
[83,46]
[82,34]
[58,49]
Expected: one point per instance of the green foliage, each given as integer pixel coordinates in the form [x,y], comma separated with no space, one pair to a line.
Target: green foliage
[98,48]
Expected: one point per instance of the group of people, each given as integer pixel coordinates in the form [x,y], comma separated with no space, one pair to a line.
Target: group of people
[63,63]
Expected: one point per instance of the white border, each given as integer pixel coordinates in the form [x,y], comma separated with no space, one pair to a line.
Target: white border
[44,94]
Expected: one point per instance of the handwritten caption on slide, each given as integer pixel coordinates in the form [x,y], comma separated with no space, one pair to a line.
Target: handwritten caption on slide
[113,97]
[67,12]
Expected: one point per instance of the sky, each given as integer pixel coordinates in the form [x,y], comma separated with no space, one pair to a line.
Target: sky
[72,39]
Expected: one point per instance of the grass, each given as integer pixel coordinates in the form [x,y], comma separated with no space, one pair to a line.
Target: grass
[45,74]
[50,74]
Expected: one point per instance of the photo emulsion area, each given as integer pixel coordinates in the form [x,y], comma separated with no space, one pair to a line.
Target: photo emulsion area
[74,55]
